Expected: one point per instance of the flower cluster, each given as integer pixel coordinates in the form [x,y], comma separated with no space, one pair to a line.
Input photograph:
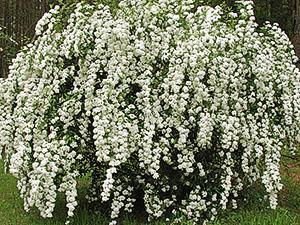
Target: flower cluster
[175,104]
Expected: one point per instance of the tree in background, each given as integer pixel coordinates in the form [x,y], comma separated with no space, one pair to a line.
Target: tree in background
[17,22]
[296,27]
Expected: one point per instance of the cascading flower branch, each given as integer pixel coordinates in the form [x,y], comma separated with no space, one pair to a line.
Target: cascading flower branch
[172,104]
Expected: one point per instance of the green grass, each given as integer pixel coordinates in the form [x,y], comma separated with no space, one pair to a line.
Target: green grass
[254,213]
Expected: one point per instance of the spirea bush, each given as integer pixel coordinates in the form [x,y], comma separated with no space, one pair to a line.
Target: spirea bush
[172,105]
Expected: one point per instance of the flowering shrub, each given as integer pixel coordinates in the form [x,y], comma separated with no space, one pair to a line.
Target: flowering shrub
[173,103]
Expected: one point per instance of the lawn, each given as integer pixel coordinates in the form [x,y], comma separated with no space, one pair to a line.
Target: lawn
[255,213]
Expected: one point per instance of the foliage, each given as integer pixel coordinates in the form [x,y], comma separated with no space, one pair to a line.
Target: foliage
[173,106]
